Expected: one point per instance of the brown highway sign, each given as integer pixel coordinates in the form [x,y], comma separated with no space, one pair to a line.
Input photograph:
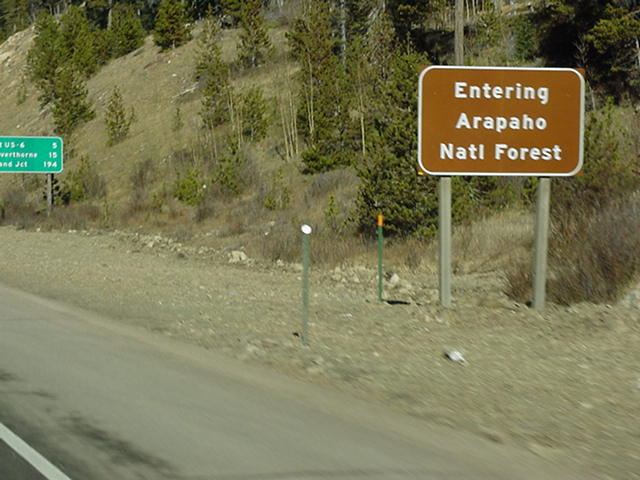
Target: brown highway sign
[500,121]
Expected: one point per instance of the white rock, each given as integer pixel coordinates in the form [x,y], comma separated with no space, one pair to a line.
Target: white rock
[237,256]
[454,356]
[394,281]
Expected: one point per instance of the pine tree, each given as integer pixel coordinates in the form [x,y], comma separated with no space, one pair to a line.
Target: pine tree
[409,16]
[390,185]
[171,30]
[70,105]
[254,115]
[324,110]
[45,56]
[117,120]
[77,41]
[208,54]
[600,36]
[127,31]
[213,73]
[255,44]
[15,15]
[613,49]
[360,16]
[231,11]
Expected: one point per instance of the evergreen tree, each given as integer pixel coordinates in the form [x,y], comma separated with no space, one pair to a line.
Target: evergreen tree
[255,44]
[171,29]
[45,56]
[117,120]
[127,31]
[613,48]
[231,11]
[409,16]
[213,73]
[70,105]
[360,16]
[15,15]
[208,54]
[102,46]
[77,41]
[369,60]
[598,35]
[324,110]
[99,12]
[389,184]
[254,115]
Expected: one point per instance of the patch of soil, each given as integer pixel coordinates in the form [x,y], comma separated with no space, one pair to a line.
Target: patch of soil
[564,383]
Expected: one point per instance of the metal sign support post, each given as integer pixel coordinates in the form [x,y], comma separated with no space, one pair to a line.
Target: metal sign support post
[49,193]
[541,242]
[444,240]
[444,197]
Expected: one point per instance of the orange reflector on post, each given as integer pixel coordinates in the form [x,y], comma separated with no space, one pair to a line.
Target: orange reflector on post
[380,220]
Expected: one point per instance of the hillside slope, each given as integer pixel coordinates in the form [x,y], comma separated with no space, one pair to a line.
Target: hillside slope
[155,84]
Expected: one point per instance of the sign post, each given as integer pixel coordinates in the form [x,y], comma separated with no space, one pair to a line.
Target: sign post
[444,185]
[500,121]
[541,241]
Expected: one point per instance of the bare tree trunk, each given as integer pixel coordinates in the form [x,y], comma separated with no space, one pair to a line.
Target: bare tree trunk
[110,15]
[294,125]
[362,130]
[459,33]
[310,107]
[288,150]
[343,33]
[236,121]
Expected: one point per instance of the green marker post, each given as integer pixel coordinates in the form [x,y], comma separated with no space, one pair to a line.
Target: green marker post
[380,251]
[306,231]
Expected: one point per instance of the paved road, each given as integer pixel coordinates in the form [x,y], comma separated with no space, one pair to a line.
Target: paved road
[14,467]
[102,401]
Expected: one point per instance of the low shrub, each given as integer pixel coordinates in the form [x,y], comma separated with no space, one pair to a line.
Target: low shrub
[594,256]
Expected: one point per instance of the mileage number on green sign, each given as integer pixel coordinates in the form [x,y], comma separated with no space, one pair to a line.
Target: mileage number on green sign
[31,154]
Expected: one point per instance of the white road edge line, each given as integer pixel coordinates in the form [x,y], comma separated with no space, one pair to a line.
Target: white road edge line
[32,457]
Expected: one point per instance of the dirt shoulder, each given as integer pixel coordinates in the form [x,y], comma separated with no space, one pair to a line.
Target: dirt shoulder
[564,384]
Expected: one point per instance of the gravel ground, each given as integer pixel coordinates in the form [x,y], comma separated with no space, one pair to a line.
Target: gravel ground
[564,383]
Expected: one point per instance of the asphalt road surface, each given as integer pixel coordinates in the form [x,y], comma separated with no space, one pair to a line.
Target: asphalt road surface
[102,401]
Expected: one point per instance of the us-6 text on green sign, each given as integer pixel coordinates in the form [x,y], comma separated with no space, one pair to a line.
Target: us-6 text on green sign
[31,154]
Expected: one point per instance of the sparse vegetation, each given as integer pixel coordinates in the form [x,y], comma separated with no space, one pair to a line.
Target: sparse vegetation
[83,183]
[278,196]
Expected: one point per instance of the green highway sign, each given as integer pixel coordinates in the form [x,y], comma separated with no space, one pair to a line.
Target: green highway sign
[30,155]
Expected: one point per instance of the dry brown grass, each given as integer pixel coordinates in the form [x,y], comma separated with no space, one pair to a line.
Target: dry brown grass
[489,244]
[593,256]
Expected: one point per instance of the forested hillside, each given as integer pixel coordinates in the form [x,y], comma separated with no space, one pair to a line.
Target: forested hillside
[244,118]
